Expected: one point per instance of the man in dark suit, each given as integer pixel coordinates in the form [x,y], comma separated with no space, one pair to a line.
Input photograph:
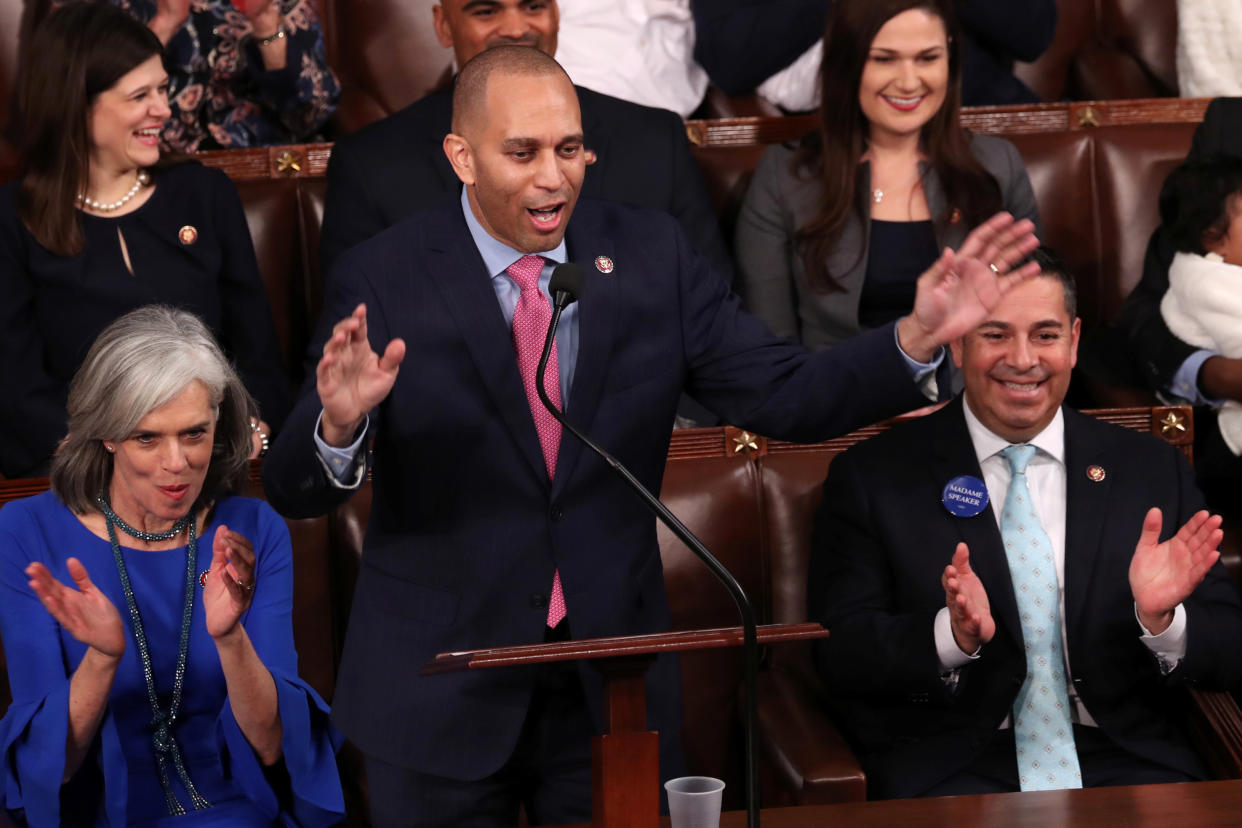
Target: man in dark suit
[393,168]
[1168,365]
[486,528]
[953,679]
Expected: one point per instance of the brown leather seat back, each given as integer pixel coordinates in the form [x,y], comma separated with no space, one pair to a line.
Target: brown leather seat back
[385,53]
[1107,49]
[271,207]
[1131,165]
[717,499]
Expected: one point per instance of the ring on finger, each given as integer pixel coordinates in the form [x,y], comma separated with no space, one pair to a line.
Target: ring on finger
[992,266]
[247,587]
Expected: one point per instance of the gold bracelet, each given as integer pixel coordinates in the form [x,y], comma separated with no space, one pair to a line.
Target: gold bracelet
[272,38]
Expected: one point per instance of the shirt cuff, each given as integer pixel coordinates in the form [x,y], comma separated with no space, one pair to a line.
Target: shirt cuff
[1169,647]
[1185,384]
[924,373]
[951,655]
[342,464]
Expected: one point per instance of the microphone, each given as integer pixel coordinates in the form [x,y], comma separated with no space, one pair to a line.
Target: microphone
[566,287]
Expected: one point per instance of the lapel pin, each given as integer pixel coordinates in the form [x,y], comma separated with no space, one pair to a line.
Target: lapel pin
[965,496]
[604,264]
[1096,473]
[188,234]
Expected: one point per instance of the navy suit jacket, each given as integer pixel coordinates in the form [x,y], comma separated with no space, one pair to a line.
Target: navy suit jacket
[396,167]
[882,540]
[465,528]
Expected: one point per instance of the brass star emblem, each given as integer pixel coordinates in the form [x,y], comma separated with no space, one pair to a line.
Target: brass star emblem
[288,162]
[1172,423]
[745,441]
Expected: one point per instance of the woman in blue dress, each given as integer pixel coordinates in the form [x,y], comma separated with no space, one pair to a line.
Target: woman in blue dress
[146,610]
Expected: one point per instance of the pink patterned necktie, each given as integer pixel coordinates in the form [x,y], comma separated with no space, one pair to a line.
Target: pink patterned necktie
[531,318]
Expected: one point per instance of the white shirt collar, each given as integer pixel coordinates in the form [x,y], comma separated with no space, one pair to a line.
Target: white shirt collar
[1050,441]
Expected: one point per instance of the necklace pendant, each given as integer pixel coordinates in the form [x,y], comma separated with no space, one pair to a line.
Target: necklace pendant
[877,195]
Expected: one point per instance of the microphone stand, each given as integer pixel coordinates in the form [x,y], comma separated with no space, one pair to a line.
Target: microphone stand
[750,646]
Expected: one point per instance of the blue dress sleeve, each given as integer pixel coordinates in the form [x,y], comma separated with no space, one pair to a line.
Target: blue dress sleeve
[34,730]
[308,741]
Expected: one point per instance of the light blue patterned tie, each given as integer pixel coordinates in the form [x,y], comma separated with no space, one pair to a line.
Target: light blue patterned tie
[1042,728]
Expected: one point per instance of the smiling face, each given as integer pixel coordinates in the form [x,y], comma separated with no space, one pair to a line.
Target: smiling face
[1017,364]
[470,26]
[125,119]
[522,160]
[158,470]
[906,76]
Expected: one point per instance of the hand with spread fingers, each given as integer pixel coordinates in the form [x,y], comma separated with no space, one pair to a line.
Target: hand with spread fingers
[228,586]
[961,287]
[84,611]
[1163,575]
[970,613]
[351,378]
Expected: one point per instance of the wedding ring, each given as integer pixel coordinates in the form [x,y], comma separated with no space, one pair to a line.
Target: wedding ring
[994,268]
[248,587]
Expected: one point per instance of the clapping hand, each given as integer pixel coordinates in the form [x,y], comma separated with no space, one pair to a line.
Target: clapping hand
[1162,575]
[958,291]
[229,584]
[970,613]
[351,378]
[84,611]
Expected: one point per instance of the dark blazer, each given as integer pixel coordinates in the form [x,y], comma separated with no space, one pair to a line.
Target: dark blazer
[882,540]
[741,43]
[465,530]
[396,167]
[1158,351]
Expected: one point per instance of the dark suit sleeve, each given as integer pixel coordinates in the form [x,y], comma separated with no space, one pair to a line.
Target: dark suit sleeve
[1158,351]
[1019,30]
[350,213]
[743,372]
[294,480]
[872,650]
[742,43]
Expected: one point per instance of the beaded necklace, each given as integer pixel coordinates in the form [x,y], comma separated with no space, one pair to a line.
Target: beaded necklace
[162,740]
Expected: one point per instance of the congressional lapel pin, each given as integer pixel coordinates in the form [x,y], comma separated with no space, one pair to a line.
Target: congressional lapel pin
[965,496]
[188,234]
[1096,474]
[955,217]
[604,264]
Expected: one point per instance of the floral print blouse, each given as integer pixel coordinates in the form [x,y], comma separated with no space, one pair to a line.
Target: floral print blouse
[222,96]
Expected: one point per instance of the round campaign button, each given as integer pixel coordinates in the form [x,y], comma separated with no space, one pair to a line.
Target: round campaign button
[965,496]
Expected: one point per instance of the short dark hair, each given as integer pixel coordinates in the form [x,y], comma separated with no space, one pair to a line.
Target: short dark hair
[1052,266]
[470,90]
[1195,201]
[78,51]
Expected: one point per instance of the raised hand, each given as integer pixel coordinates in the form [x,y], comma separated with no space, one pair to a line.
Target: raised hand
[230,583]
[351,378]
[84,611]
[169,16]
[1162,575]
[970,614]
[958,291]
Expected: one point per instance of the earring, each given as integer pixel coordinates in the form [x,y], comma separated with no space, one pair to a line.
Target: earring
[108,447]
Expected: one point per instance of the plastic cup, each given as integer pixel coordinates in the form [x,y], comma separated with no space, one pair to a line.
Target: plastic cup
[694,801]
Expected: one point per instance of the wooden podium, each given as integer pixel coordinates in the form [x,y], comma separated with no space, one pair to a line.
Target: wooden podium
[625,775]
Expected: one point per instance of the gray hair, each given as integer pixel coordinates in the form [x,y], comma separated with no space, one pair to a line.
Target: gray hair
[140,362]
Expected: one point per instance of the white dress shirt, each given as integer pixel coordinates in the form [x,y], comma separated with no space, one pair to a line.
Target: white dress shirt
[1045,477]
[636,50]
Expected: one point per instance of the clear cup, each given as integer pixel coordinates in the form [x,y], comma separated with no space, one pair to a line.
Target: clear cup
[694,801]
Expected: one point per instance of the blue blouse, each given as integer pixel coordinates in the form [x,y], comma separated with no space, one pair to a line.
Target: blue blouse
[221,94]
[117,783]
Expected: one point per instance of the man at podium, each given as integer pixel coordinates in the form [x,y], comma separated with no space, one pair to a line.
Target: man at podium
[487,528]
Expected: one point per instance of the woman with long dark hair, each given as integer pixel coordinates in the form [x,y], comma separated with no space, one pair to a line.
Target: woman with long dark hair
[834,232]
[94,227]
